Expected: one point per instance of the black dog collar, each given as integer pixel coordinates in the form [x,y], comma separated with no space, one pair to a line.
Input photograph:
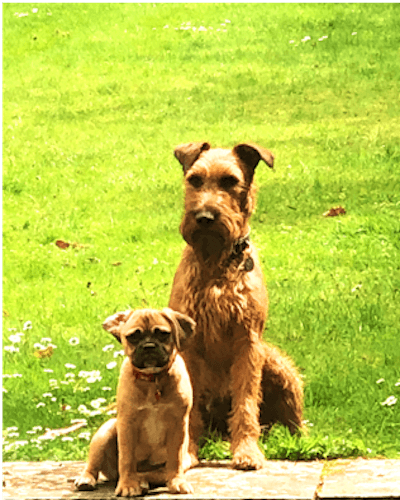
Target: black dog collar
[237,252]
[241,244]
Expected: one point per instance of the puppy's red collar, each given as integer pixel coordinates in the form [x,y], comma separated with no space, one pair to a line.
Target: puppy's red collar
[152,377]
[149,377]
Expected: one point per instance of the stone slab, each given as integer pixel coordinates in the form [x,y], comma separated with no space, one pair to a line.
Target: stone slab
[281,480]
[360,478]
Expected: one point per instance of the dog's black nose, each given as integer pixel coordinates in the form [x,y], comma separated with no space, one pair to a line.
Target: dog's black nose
[205,218]
[149,346]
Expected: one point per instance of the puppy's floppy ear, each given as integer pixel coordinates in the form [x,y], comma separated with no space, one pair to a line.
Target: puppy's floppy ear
[250,154]
[113,323]
[184,326]
[188,153]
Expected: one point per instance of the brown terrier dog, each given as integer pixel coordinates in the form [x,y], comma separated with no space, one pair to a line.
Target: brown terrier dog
[219,283]
[148,441]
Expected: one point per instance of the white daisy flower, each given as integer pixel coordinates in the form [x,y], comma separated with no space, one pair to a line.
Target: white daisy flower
[390,401]
[15,338]
[108,347]
[11,348]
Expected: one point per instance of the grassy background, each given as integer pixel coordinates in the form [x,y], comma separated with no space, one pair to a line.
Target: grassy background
[95,98]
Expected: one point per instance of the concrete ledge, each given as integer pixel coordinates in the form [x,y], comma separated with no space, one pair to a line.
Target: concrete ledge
[280,480]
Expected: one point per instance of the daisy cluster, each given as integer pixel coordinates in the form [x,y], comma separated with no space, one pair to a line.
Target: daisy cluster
[35,10]
[16,338]
[187,26]
[39,436]
[63,395]
[307,38]
[391,400]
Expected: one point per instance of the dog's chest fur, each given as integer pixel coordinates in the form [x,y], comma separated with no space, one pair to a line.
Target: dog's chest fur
[154,418]
[153,431]
[153,408]
[216,303]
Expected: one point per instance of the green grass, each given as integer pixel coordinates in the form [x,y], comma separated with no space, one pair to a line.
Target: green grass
[95,98]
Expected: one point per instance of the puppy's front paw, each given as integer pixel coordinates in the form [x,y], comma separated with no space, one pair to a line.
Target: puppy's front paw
[130,488]
[86,482]
[179,485]
[248,456]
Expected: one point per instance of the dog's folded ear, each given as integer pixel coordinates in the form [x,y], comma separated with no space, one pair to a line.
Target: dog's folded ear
[184,326]
[113,323]
[250,154]
[188,153]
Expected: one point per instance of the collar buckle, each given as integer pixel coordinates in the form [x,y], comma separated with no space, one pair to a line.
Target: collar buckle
[241,244]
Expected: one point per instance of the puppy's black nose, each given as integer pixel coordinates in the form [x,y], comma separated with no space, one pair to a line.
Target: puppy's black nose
[205,218]
[149,346]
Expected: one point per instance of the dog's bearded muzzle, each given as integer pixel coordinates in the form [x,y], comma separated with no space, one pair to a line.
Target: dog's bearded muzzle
[205,231]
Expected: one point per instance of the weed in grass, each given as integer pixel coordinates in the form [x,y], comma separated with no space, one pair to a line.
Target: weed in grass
[95,98]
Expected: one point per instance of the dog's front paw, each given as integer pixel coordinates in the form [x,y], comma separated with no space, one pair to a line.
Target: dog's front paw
[86,482]
[179,485]
[248,456]
[130,488]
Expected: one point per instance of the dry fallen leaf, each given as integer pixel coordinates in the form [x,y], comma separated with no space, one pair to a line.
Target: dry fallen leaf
[44,353]
[52,433]
[62,244]
[333,212]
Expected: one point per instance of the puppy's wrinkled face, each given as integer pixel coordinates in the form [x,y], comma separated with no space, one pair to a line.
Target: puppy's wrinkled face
[148,340]
[150,337]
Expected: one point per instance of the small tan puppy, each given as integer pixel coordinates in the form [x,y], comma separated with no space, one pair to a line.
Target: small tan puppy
[154,400]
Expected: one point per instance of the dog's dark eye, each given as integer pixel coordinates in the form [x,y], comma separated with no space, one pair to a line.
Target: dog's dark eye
[161,333]
[195,180]
[134,337]
[228,181]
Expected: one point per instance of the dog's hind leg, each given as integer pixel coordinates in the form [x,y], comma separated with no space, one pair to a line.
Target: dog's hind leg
[282,391]
[103,457]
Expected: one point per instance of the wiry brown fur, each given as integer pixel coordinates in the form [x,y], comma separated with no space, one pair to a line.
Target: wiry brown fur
[222,289]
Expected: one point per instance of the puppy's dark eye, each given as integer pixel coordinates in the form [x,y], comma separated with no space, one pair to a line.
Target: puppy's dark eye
[134,337]
[161,333]
[228,182]
[195,180]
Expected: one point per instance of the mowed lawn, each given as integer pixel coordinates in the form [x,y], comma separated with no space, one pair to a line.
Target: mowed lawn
[95,97]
